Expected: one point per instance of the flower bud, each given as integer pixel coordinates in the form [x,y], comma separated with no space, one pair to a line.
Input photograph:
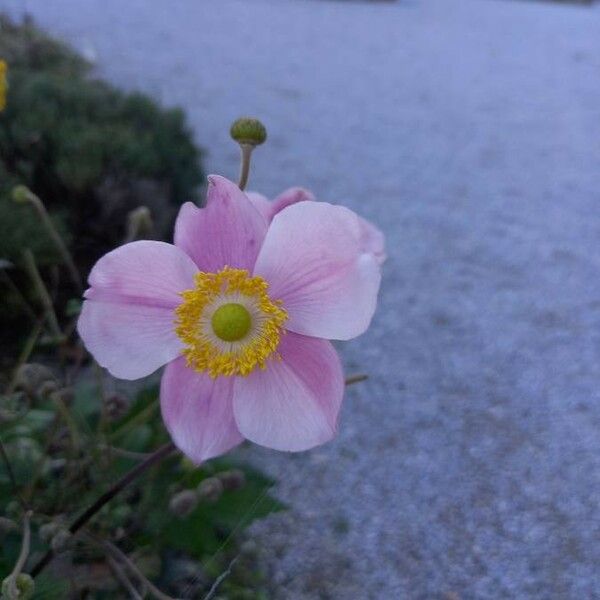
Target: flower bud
[210,490]
[22,589]
[184,503]
[34,378]
[48,530]
[21,194]
[7,525]
[61,541]
[139,224]
[233,479]
[248,131]
[115,407]
[13,510]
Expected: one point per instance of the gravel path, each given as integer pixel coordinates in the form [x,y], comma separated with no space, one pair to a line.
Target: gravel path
[469,465]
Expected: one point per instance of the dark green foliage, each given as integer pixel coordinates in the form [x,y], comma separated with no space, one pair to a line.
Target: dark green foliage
[69,464]
[88,148]
[91,153]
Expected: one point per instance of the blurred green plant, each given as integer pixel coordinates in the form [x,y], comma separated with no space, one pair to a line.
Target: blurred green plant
[66,447]
[93,153]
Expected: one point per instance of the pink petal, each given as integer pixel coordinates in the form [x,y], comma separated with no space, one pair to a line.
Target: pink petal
[373,240]
[289,197]
[319,261]
[127,318]
[294,403]
[227,232]
[197,411]
[261,204]
[270,209]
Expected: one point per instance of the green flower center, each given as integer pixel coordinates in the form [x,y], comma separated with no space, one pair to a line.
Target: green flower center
[231,322]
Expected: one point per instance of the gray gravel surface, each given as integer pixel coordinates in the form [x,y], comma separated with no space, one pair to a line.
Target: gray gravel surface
[469,465]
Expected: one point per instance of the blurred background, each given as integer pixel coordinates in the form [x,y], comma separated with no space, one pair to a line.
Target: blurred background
[468,465]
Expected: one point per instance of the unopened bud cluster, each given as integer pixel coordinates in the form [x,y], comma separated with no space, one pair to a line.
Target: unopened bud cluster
[209,490]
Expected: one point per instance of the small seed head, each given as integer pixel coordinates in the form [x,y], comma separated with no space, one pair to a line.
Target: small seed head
[22,590]
[48,531]
[35,379]
[248,131]
[183,504]
[7,525]
[21,194]
[61,541]
[115,407]
[233,479]
[210,490]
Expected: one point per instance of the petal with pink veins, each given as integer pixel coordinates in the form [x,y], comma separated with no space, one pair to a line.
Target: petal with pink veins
[294,403]
[320,261]
[197,411]
[228,231]
[127,318]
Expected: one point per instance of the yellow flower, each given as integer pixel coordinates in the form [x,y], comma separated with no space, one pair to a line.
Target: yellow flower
[3,84]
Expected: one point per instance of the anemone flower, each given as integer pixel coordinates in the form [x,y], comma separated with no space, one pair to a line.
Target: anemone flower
[240,308]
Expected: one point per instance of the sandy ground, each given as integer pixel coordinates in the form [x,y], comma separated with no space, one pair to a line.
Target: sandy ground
[469,130]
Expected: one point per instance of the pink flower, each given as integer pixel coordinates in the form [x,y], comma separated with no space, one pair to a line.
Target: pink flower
[240,309]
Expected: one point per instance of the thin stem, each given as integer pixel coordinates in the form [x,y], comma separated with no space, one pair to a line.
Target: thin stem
[128,478]
[42,292]
[11,475]
[25,547]
[115,551]
[17,292]
[352,379]
[122,578]
[124,453]
[245,164]
[66,415]
[39,207]
[220,579]
[25,354]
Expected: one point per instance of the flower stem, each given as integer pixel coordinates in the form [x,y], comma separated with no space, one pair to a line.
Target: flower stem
[352,379]
[42,293]
[25,546]
[39,207]
[11,476]
[245,164]
[128,478]
[129,564]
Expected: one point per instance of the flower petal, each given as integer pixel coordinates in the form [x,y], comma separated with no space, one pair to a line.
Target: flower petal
[270,209]
[289,197]
[197,411]
[127,318]
[319,261]
[294,403]
[372,240]
[227,232]
[261,203]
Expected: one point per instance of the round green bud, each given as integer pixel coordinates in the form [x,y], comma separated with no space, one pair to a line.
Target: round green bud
[21,194]
[231,322]
[248,131]
[22,590]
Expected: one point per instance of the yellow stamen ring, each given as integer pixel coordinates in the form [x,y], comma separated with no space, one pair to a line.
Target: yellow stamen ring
[228,323]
